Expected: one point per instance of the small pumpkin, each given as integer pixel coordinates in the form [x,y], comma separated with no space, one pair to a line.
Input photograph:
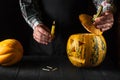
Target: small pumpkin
[86,49]
[11,51]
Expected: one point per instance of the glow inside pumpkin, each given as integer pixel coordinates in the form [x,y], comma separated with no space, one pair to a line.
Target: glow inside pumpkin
[85,50]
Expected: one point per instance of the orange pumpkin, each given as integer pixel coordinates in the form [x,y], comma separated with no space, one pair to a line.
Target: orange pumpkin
[11,51]
[86,49]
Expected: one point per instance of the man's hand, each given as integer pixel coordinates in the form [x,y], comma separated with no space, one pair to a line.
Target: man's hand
[105,21]
[42,34]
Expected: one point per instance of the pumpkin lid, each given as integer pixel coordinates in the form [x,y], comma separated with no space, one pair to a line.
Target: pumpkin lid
[87,22]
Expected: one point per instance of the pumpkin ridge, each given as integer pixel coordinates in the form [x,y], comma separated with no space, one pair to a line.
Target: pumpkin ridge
[17,58]
[8,57]
[11,51]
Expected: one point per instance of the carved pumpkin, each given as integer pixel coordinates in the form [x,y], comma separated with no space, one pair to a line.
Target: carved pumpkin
[86,50]
[11,51]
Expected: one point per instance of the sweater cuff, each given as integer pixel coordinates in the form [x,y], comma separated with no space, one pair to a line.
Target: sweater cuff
[107,6]
[34,22]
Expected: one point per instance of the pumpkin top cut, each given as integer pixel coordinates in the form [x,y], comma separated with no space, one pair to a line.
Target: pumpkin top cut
[87,22]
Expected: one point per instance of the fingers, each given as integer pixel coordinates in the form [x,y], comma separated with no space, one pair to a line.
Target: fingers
[41,39]
[44,30]
[42,34]
[104,18]
[104,27]
[105,21]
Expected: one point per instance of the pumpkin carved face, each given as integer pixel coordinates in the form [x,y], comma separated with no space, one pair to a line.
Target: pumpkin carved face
[11,51]
[85,50]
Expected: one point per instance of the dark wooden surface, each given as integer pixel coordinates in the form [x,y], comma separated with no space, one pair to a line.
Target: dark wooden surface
[30,68]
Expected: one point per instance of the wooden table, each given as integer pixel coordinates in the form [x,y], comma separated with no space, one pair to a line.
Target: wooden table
[30,68]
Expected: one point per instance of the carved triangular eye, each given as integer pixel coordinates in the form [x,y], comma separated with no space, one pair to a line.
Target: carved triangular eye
[80,43]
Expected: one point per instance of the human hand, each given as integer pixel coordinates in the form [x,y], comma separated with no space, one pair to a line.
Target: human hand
[105,21]
[42,34]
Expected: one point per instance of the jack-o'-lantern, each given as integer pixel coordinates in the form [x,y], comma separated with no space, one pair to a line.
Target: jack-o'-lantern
[87,49]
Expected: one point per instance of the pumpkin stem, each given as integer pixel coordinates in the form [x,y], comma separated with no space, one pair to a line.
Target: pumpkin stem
[98,13]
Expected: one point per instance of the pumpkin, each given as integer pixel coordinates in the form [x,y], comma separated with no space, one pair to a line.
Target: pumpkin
[86,49]
[11,51]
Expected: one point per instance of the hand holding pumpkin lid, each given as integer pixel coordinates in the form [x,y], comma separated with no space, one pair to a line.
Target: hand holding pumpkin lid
[87,22]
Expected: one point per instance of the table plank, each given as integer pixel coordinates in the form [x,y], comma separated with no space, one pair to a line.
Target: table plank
[9,73]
